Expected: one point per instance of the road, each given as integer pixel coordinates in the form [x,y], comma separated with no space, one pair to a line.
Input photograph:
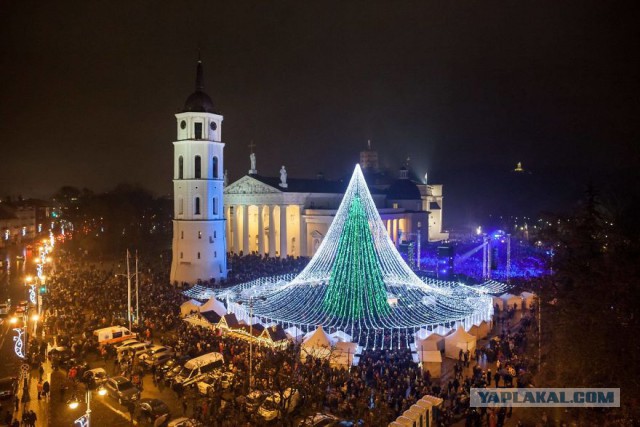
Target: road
[12,287]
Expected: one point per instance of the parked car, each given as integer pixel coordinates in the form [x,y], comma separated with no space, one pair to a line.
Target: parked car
[95,377]
[156,353]
[271,409]
[7,387]
[152,409]
[126,343]
[170,375]
[121,389]
[59,355]
[132,351]
[4,309]
[170,363]
[184,422]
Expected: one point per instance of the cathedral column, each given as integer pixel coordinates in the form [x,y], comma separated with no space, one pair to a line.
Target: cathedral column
[234,228]
[303,233]
[245,229]
[272,232]
[394,230]
[260,231]
[283,231]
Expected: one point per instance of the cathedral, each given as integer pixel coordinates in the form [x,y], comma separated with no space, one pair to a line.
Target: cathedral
[283,216]
[277,215]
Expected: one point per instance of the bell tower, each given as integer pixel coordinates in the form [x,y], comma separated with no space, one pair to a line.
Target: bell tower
[199,242]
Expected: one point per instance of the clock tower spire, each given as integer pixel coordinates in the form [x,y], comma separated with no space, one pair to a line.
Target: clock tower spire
[199,242]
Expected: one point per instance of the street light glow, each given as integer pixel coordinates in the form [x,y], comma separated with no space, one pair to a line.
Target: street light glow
[73,404]
[13,320]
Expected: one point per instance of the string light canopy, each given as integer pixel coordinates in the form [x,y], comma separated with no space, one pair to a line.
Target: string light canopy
[358,283]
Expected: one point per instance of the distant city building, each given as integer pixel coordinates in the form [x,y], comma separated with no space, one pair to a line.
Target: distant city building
[282,216]
[199,243]
[23,220]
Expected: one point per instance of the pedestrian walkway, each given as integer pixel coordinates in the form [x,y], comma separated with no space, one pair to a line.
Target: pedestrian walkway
[28,397]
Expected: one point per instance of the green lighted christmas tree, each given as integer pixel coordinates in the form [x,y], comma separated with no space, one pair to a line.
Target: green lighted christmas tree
[356,285]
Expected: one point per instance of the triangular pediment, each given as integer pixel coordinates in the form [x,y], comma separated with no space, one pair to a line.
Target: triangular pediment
[249,185]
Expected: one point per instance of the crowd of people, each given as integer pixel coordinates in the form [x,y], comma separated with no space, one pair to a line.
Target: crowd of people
[84,296]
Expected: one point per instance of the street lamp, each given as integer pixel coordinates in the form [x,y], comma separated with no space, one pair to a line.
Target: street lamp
[74,404]
[251,337]
[128,275]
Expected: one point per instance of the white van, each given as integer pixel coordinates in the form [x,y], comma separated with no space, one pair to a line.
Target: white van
[196,369]
[113,334]
[133,350]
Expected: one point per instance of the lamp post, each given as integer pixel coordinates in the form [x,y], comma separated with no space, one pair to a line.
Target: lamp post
[251,337]
[85,421]
[128,275]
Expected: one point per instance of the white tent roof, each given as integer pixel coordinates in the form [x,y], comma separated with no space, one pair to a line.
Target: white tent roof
[344,353]
[426,345]
[434,337]
[508,296]
[293,332]
[318,338]
[214,305]
[188,306]
[460,335]
[341,336]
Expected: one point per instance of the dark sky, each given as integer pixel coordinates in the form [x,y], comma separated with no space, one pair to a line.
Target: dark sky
[466,89]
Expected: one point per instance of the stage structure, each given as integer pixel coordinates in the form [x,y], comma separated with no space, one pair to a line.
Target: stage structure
[358,283]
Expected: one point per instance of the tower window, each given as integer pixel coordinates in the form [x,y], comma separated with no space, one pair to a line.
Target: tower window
[199,234]
[198,255]
[215,254]
[197,130]
[180,206]
[182,234]
[180,167]
[197,167]
[181,255]
[197,206]
[214,164]
[214,207]
[210,239]
[214,234]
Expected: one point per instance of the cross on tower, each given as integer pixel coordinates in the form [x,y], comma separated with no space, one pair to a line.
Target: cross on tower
[252,146]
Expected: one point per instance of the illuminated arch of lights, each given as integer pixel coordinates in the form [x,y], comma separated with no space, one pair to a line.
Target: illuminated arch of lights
[358,283]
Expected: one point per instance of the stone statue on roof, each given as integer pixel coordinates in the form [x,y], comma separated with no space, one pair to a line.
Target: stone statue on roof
[283,177]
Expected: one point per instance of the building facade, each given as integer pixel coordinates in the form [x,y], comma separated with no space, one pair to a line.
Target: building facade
[281,217]
[199,241]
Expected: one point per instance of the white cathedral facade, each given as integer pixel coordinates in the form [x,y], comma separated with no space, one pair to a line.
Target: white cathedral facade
[281,216]
[199,241]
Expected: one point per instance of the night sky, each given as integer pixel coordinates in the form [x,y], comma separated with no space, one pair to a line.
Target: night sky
[465,89]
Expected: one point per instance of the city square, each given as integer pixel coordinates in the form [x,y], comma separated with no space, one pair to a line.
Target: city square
[411,237]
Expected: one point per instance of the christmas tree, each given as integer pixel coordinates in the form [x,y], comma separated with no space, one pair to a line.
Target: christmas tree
[356,286]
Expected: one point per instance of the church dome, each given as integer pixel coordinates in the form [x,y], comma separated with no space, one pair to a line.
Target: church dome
[403,189]
[198,101]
